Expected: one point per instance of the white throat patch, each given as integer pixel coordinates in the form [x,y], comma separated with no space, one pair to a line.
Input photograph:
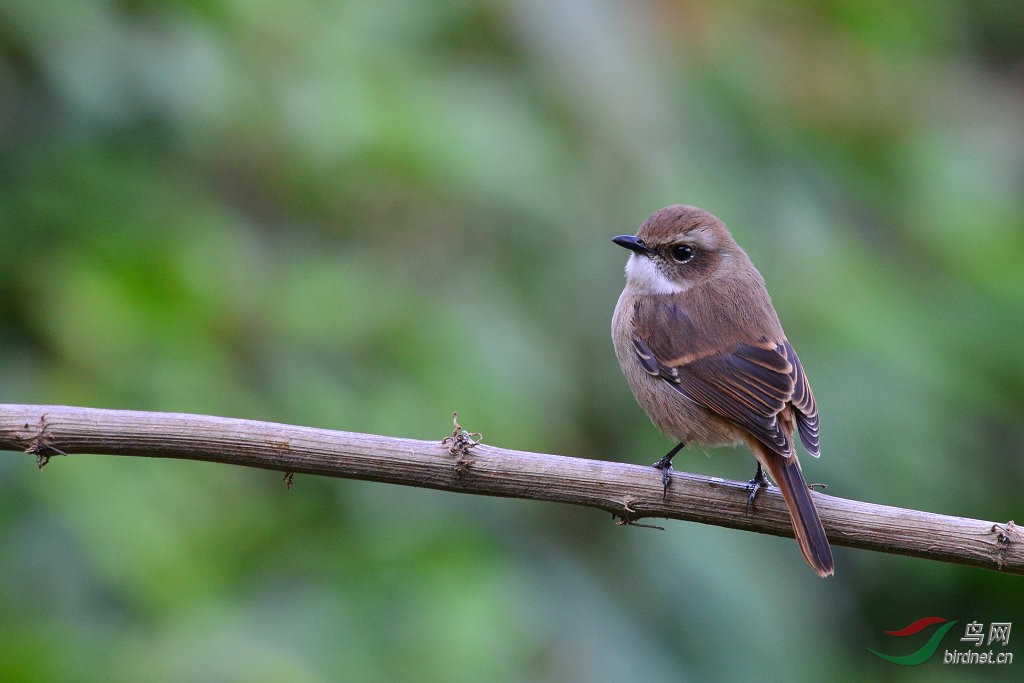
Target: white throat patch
[644,276]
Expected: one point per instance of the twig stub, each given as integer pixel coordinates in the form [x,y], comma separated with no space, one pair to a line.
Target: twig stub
[40,445]
[461,440]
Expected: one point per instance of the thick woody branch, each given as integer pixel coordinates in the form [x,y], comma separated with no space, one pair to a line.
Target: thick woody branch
[630,492]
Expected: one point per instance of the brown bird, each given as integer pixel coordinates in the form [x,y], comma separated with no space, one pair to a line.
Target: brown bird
[704,352]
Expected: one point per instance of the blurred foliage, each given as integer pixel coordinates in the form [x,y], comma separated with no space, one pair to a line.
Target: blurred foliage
[365,215]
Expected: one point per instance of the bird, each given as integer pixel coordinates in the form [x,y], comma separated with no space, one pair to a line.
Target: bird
[702,349]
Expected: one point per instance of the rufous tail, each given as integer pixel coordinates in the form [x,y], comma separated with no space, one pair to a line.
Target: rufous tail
[810,535]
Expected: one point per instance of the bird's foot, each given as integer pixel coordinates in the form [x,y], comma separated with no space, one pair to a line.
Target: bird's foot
[754,486]
[665,465]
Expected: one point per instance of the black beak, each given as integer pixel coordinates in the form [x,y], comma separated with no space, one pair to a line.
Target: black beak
[632,243]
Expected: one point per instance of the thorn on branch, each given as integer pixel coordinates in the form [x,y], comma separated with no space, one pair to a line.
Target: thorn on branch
[40,445]
[1005,535]
[459,444]
[460,440]
[627,518]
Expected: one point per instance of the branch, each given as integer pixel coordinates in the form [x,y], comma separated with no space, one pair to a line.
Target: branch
[629,492]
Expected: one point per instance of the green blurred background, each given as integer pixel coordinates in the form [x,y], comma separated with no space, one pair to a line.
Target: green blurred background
[364,215]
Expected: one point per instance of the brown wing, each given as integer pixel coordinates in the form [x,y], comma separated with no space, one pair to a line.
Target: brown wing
[806,409]
[747,382]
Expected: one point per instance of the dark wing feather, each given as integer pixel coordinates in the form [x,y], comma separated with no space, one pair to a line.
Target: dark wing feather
[803,402]
[748,384]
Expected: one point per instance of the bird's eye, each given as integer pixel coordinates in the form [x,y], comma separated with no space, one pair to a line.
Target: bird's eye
[682,253]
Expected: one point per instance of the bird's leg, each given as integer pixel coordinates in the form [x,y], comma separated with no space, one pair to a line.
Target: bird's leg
[755,485]
[665,465]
